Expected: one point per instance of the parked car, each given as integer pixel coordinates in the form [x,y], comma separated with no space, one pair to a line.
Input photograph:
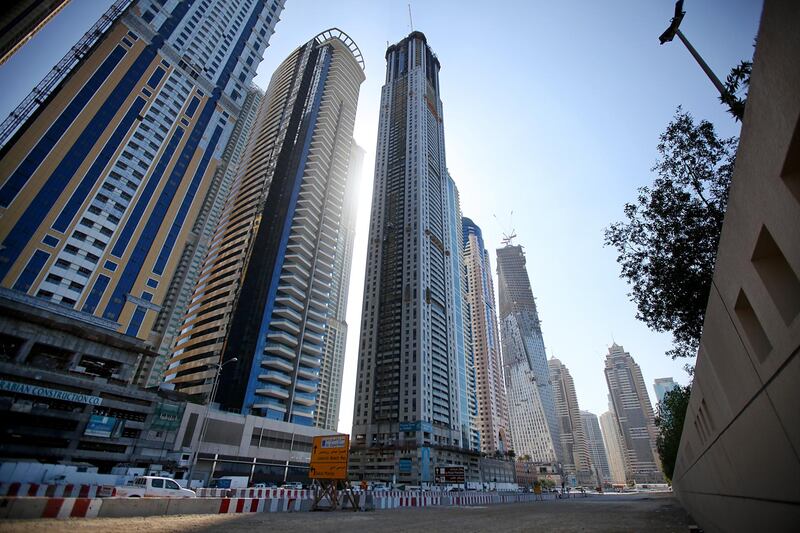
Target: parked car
[292,485]
[147,487]
[265,486]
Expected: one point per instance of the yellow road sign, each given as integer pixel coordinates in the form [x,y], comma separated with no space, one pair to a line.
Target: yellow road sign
[329,455]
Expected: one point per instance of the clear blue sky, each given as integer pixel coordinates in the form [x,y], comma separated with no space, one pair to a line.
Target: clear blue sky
[551,109]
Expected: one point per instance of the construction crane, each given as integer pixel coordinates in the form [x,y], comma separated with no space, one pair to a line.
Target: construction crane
[509,234]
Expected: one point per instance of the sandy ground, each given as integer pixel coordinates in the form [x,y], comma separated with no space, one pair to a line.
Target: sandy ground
[629,512]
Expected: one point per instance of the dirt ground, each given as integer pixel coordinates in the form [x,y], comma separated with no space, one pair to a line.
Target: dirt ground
[613,512]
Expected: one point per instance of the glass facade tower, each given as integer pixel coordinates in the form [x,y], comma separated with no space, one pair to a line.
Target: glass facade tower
[408,415]
[521,333]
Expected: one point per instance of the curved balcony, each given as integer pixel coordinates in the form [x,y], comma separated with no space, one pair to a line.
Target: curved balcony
[283,324]
[276,391]
[305,385]
[305,398]
[277,363]
[308,373]
[282,337]
[276,348]
[289,301]
[314,350]
[292,291]
[275,376]
[303,409]
[270,403]
[316,326]
[313,362]
[287,312]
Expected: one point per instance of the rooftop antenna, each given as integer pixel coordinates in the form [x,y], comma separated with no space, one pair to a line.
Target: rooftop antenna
[410,20]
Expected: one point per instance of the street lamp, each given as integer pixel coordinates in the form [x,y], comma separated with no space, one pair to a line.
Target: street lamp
[204,425]
[670,34]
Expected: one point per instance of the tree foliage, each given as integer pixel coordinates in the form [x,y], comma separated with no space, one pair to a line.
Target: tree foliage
[669,420]
[738,81]
[668,241]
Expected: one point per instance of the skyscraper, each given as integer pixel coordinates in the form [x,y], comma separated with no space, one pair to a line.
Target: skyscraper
[407,414]
[264,295]
[464,333]
[330,389]
[597,450]
[634,416]
[661,386]
[182,286]
[104,175]
[522,341]
[530,433]
[614,449]
[576,460]
[491,390]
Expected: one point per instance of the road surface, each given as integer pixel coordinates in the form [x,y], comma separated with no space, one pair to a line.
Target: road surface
[653,512]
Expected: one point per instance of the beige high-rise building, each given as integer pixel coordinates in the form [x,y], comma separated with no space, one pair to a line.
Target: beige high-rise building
[611,438]
[492,419]
[634,416]
[269,285]
[576,460]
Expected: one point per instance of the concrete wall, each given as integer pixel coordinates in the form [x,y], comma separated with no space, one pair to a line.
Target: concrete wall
[738,466]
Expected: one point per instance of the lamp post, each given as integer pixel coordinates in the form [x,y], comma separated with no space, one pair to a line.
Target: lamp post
[670,34]
[204,425]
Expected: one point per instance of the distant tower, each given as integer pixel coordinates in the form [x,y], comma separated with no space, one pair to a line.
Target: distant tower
[614,449]
[634,416]
[408,415]
[661,386]
[265,293]
[491,390]
[523,344]
[597,450]
[576,459]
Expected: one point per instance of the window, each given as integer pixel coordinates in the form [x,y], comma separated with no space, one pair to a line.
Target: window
[157,483]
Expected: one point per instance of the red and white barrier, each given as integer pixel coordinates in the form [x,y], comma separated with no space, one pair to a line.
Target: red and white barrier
[255,493]
[72,508]
[49,491]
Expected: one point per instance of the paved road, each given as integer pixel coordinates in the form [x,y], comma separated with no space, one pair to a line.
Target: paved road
[612,512]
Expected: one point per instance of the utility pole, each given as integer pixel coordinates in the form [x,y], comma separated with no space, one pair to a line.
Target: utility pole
[674,30]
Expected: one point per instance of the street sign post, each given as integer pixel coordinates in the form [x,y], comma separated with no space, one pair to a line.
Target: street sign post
[451,475]
[329,458]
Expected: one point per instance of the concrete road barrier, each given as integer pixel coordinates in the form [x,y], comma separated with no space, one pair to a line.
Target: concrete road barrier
[193,506]
[125,507]
[285,501]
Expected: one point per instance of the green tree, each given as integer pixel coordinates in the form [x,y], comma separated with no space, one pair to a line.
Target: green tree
[738,81]
[669,421]
[668,243]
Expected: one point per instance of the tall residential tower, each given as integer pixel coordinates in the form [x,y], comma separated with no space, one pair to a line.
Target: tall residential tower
[597,450]
[106,171]
[634,416]
[576,460]
[264,295]
[408,415]
[491,389]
